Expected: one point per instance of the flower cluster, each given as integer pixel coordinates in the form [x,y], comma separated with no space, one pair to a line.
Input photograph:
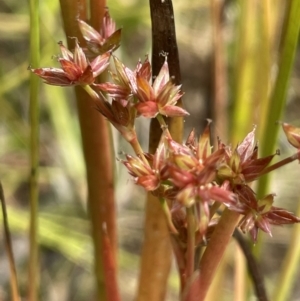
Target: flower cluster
[187,176]
[191,175]
[75,68]
[131,93]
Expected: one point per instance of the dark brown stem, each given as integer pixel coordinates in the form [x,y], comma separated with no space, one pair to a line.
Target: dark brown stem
[253,267]
[156,253]
[9,250]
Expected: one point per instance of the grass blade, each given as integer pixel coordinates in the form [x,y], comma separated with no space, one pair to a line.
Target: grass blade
[34,153]
[8,246]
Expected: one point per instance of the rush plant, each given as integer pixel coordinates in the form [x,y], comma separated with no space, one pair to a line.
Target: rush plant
[204,192]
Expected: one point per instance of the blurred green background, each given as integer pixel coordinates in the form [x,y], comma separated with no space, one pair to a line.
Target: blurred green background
[66,251]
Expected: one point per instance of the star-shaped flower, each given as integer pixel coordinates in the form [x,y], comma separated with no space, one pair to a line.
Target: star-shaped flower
[161,97]
[107,39]
[75,68]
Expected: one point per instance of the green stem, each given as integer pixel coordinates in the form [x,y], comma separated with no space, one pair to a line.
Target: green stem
[274,111]
[161,121]
[33,277]
[290,264]
[287,52]
[9,250]
[167,213]
[190,242]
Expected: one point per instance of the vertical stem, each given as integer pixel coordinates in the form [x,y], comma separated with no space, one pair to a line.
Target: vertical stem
[8,246]
[220,90]
[287,52]
[253,267]
[289,267]
[239,290]
[33,277]
[213,255]
[274,111]
[97,148]
[156,253]
[190,242]
[97,10]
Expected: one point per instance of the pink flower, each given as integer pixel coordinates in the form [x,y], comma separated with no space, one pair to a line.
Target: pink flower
[243,165]
[107,39]
[124,80]
[260,214]
[161,98]
[75,68]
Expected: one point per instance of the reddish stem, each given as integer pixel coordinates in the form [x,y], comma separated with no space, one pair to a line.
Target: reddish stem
[213,255]
[96,140]
[281,163]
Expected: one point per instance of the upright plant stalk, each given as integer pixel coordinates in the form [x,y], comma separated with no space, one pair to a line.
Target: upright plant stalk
[33,268]
[156,253]
[213,255]
[253,267]
[244,72]
[287,52]
[219,72]
[290,264]
[9,250]
[97,148]
[97,10]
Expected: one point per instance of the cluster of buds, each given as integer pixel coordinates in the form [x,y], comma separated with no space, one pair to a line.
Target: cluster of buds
[188,175]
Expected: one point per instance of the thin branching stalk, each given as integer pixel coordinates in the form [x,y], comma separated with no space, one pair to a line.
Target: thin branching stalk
[8,246]
[33,269]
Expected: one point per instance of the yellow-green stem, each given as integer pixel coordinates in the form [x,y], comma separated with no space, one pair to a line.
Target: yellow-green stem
[167,212]
[190,242]
[9,250]
[290,266]
[288,46]
[33,268]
